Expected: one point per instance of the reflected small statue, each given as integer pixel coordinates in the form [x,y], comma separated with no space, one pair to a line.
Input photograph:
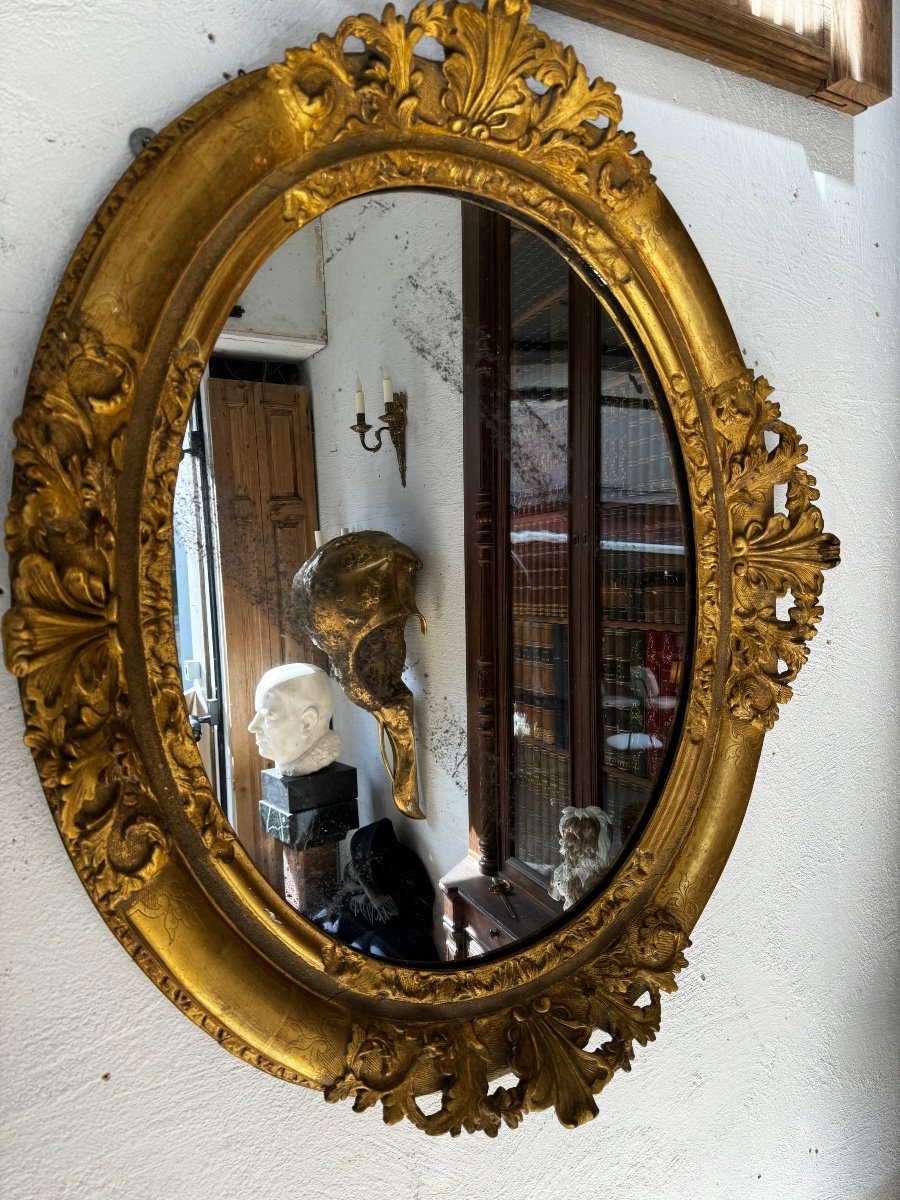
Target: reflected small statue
[584,839]
[294,704]
[353,597]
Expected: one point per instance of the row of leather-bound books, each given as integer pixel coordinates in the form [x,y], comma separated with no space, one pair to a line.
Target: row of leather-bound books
[536,656]
[637,595]
[626,748]
[540,668]
[539,549]
[544,723]
[626,651]
[642,564]
[623,651]
[532,675]
[541,791]
[624,805]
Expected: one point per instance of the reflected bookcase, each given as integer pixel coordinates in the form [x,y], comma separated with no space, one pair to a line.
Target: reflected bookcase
[577,566]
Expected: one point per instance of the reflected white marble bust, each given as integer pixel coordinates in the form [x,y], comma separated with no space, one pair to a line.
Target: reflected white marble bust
[294,703]
[584,839]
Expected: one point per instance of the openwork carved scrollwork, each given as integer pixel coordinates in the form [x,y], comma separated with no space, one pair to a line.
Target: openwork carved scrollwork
[509,116]
[62,635]
[773,556]
[492,60]
[546,1044]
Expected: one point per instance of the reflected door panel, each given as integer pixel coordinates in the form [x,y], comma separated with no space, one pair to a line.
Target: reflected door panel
[265,501]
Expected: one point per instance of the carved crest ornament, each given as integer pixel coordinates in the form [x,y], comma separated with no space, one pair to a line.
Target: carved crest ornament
[508,116]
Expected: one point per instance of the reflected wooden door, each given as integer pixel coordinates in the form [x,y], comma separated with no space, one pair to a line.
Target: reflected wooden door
[265,497]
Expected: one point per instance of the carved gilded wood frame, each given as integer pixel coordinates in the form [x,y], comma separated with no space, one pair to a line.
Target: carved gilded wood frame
[507,116]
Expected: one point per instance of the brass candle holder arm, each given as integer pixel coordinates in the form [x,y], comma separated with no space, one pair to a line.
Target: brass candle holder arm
[394,418]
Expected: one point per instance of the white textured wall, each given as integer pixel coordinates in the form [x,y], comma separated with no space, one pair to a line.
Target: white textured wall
[775,1071]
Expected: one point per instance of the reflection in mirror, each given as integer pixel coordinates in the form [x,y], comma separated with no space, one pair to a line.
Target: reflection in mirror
[543,500]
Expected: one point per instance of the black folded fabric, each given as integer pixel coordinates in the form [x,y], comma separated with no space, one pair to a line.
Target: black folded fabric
[385,905]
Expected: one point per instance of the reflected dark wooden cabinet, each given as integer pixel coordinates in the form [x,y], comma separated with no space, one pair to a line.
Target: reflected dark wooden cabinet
[577,578]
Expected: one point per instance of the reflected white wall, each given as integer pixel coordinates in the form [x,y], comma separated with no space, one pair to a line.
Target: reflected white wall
[393,277]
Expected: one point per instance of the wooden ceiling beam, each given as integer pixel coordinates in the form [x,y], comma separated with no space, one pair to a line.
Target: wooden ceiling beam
[846,64]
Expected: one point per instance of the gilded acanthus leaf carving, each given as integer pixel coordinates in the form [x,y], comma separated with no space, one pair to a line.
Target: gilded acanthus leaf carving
[703,514]
[387,1064]
[326,187]
[349,965]
[546,1040]
[771,556]
[567,124]
[183,376]
[61,635]
[546,1053]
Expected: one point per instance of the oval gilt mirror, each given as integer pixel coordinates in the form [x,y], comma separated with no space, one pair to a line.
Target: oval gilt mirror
[398,691]
[583,609]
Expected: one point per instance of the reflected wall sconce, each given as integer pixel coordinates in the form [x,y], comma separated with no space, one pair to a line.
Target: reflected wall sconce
[394,417]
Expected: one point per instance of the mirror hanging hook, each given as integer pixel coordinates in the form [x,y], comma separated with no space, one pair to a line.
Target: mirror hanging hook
[139,138]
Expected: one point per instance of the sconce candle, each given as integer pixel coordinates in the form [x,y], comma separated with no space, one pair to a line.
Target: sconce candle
[320,539]
[394,417]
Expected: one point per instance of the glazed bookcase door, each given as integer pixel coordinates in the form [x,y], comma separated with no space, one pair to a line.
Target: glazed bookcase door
[91,633]
[582,606]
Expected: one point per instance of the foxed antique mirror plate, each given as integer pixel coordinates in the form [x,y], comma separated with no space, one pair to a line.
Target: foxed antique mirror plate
[505,117]
[584,612]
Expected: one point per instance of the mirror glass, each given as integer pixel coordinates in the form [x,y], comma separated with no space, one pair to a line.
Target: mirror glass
[542,534]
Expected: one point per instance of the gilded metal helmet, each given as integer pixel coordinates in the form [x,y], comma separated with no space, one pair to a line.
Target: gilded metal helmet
[353,597]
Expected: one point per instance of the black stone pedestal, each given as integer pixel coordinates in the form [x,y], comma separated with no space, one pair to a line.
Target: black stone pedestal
[309,815]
